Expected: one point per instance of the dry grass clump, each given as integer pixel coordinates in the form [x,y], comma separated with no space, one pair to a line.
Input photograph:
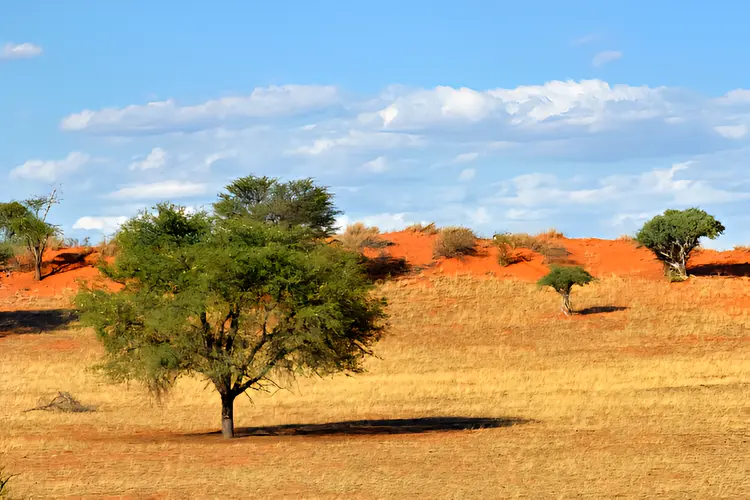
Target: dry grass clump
[428,229]
[742,248]
[551,233]
[509,243]
[107,248]
[4,480]
[626,237]
[357,237]
[454,242]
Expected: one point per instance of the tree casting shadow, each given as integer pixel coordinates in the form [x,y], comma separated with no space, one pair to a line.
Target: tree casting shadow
[67,262]
[28,322]
[379,427]
[736,270]
[600,310]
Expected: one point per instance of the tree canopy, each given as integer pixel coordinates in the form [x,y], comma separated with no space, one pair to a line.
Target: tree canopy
[562,279]
[245,304]
[26,223]
[673,235]
[294,203]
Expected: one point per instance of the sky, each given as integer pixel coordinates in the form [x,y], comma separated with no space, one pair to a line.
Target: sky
[589,117]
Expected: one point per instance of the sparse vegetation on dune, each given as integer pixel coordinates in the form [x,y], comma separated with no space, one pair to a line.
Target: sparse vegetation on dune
[428,229]
[357,237]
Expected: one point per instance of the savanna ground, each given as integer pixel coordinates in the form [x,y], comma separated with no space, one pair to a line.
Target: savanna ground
[481,389]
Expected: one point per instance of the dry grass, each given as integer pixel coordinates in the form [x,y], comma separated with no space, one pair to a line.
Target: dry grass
[357,237]
[645,402]
[428,229]
[454,242]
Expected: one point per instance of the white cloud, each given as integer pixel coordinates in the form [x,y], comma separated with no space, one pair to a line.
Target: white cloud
[50,170]
[732,131]
[209,160]
[20,51]
[168,116]
[533,190]
[465,157]
[357,139]
[586,39]
[160,190]
[157,158]
[606,57]
[104,224]
[376,166]
[467,174]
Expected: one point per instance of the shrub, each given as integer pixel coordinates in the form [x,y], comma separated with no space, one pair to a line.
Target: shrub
[551,233]
[454,242]
[107,248]
[55,243]
[429,229]
[506,249]
[742,248]
[673,235]
[509,242]
[357,237]
[562,279]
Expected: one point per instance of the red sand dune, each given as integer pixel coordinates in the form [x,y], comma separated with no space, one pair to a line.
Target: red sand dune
[66,268]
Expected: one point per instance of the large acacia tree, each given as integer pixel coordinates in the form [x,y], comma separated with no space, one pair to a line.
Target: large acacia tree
[25,223]
[299,203]
[247,305]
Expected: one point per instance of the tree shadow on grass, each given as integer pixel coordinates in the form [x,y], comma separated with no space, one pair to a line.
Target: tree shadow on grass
[385,266]
[380,427]
[600,310]
[34,322]
[735,270]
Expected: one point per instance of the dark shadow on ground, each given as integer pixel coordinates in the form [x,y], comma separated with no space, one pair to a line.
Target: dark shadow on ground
[385,266]
[34,322]
[380,427]
[600,310]
[720,270]
[67,261]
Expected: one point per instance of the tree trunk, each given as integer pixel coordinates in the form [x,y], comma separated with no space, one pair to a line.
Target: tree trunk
[37,268]
[682,269]
[227,416]
[566,307]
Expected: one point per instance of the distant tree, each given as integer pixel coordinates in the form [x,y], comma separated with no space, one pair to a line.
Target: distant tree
[246,305]
[562,279]
[292,203]
[26,223]
[673,235]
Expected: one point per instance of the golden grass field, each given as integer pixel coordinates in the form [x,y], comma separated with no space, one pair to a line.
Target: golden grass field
[650,399]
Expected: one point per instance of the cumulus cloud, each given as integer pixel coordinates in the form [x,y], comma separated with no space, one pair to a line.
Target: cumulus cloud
[606,57]
[50,170]
[157,158]
[104,224]
[169,116]
[20,51]
[160,190]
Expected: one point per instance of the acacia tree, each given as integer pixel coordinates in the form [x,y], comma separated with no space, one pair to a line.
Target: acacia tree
[26,223]
[562,279]
[673,235]
[293,203]
[244,304]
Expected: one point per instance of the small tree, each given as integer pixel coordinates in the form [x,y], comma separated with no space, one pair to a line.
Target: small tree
[26,223]
[294,203]
[562,279]
[673,235]
[246,305]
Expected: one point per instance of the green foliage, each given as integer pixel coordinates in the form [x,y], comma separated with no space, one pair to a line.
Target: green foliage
[673,235]
[293,203]
[454,242]
[25,223]
[244,304]
[562,279]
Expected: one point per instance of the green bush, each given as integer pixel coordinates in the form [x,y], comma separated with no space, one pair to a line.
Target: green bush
[562,279]
[454,242]
[673,235]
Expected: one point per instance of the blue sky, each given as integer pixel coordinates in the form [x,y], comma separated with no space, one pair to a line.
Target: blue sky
[588,117]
